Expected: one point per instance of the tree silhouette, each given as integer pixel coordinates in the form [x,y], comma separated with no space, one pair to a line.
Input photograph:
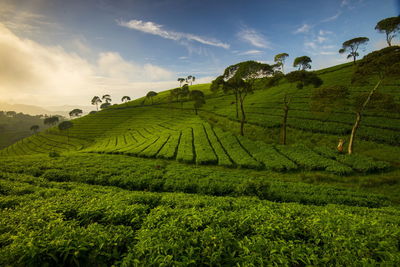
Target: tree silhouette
[351,46]
[96,101]
[181,80]
[389,26]
[106,98]
[65,126]
[75,112]
[125,99]
[190,79]
[280,60]
[150,95]
[302,63]
[199,99]
[11,113]
[35,128]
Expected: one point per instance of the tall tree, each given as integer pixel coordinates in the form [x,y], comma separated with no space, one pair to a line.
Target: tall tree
[35,128]
[181,80]
[199,99]
[65,126]
[373,70]
[302,78]
[75,112]
[280,60]
[150,95]
[125,99]
[389,26]
[302,63]
[106,98]
[239,79]
[351,46]
[96,101]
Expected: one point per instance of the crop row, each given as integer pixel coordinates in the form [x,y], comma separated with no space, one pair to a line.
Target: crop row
[50,223]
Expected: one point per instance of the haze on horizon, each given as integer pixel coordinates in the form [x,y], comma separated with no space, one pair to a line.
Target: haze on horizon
[65,52]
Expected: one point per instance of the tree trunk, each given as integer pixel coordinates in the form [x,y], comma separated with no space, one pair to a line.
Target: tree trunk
[195,110]
[237,107]
[284,123]
[243,119]
[388,40]
[358,118]
[353,133]
[97,107]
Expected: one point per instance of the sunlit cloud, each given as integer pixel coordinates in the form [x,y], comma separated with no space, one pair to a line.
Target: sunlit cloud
[332,18]
[49,75]
[250,52]
[156,29]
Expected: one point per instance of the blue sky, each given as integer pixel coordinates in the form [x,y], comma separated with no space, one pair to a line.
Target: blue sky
[130,47]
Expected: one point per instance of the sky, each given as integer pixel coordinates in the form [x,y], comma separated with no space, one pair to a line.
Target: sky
[56,52]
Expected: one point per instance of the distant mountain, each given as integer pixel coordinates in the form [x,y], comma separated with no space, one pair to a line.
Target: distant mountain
[49,110]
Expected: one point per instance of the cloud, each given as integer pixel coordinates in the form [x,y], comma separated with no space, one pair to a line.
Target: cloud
[156,29]
[48,75]
[303,29]
[325,53]
[250,52]
[321,39]
[332,18]
[254,38]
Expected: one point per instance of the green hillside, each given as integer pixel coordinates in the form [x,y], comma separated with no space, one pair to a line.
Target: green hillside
[150,183]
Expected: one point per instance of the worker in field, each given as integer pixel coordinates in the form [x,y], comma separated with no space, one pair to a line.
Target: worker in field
[340,145]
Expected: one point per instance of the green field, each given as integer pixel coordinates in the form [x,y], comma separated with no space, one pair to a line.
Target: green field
[153,184]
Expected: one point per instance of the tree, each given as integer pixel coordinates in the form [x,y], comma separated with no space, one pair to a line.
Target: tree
[302,78]
[51,120]
[125,99]
[376,67]
[239,79]
[199,99]
[65,125]
[105,105]
[96,101]
[181,80]
[302,63]
[106,98]
[389,26]
[150,95]
[75,112]
[93,112]
[280,60]
[35,128]
[190,79]
[351,46]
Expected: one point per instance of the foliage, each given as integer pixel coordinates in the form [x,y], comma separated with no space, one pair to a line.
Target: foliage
[75,112]
[351,46]
[302,63]
[389,26]
[105,105]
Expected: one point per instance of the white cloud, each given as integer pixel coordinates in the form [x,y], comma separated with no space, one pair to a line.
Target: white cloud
[156,29]
[332,18]
[325,53]
[250,52]
[48,75]
[310,44]
[344,3]
[323,32]
[254,38]
[303,29]
[321,39]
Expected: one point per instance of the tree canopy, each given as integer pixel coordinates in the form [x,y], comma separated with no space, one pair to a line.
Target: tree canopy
[75,112]
[106,98]
[302,63]
[389,26]
[280,59]
[51,120]
[96,101]
[105,105]
[351,46]
[125,98]
[65,125]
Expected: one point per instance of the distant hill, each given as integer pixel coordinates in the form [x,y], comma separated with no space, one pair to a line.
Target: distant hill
[49,110]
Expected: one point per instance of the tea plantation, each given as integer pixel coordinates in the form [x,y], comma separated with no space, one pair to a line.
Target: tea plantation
[140,184]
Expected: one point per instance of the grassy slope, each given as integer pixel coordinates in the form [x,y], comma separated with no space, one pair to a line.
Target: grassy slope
[96,208]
